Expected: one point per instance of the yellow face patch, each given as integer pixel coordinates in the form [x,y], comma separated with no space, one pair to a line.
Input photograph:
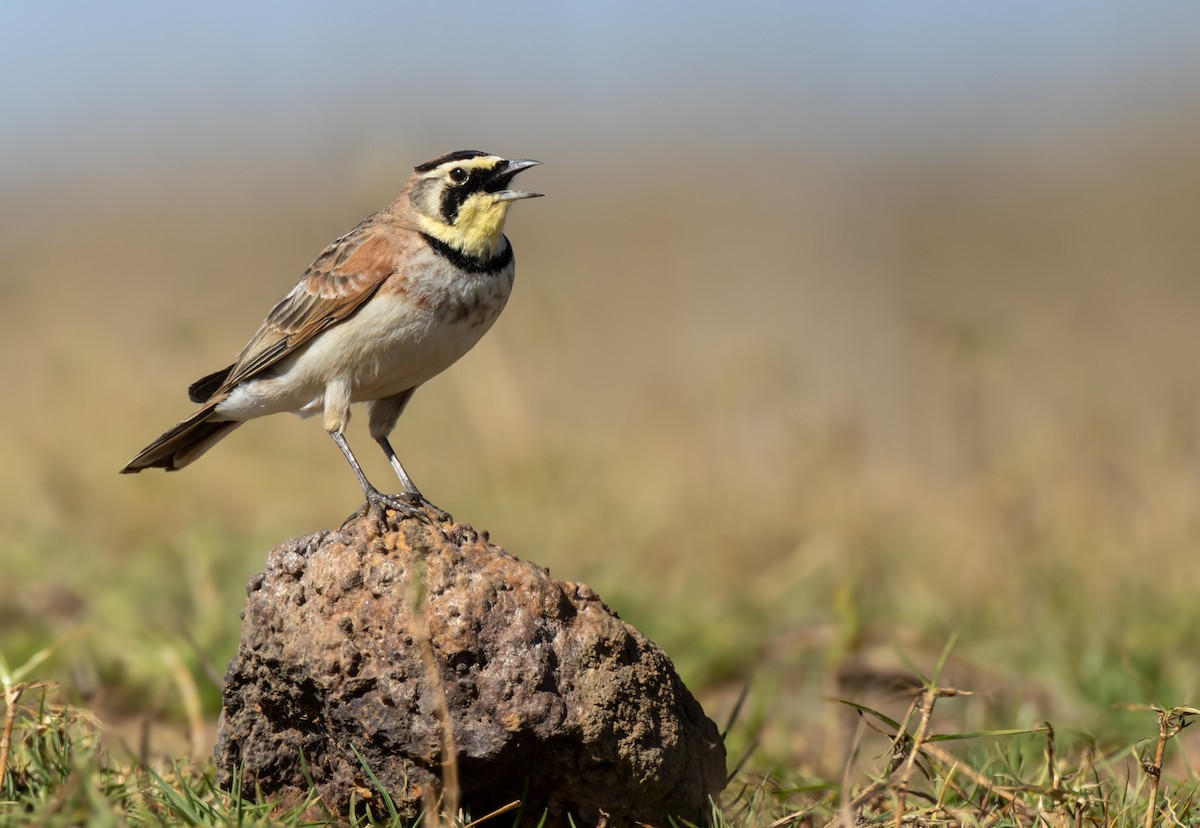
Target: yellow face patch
[454,209]
[476,231]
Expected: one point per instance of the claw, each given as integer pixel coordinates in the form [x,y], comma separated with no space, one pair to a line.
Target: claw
[408,504]
[353,516]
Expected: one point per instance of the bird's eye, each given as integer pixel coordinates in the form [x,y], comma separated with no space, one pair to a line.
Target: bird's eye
[458,175]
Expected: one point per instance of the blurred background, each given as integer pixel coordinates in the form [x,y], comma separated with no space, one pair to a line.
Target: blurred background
[844,328]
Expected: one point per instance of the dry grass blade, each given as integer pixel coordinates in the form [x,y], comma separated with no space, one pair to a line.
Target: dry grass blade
[450,793]
[905,751]
[784,820]
[12,696]
[1052,758]
[925,712]
[189,694]
[12,699]
[899,736]
[978,778]
[503,809]
[1170,723]
[736,711]
[848,808]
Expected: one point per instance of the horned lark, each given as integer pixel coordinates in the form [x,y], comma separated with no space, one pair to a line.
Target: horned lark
[389,305]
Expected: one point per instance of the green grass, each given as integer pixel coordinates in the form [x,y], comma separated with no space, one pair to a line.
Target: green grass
[57,771]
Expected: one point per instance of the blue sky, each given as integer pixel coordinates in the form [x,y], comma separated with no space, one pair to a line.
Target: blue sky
[98,82]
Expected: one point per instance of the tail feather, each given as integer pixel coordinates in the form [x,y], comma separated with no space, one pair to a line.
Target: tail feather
[183,443]
[203,389]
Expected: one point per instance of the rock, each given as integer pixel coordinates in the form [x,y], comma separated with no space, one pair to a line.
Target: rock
[551,697]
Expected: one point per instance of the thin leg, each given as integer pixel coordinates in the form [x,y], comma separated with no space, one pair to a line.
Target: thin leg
[383,416]
[411,492]
[405,480]
[376,498]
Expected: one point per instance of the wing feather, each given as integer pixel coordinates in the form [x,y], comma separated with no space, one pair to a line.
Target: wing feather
[343,277]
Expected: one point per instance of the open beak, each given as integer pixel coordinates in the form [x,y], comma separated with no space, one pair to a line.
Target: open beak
[503,178]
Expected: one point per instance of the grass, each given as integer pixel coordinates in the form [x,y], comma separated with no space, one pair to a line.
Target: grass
[57,771]
[870,414]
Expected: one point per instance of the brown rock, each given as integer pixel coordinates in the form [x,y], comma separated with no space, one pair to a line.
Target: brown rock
[551,698]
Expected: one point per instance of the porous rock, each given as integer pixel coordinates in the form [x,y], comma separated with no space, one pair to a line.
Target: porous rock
[551,698]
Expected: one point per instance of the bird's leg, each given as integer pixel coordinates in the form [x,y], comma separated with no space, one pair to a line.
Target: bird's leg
[405,480]
[411,492]
[375,498]
[383,416]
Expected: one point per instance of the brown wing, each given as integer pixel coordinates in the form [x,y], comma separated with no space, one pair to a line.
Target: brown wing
[343,277]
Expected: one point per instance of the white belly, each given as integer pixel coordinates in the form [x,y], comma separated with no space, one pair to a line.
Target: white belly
[390,345]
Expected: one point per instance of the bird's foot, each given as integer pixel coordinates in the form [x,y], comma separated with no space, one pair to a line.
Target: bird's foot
[407,504]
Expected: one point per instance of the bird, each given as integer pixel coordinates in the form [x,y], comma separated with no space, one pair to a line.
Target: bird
[379,312]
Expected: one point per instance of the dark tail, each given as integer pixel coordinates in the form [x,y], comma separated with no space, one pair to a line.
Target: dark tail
[183,443]
[202,390]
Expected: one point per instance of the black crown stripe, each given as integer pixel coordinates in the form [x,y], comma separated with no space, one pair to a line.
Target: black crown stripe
[460,155]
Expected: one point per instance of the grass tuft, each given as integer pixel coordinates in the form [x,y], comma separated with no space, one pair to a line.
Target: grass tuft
[58,772]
